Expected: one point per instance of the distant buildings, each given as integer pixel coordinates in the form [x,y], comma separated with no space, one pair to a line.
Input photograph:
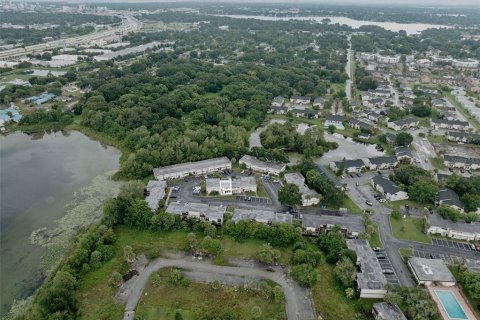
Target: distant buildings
[235,185]
[262,166]
[309,196]
[371,281]
[431,271]
[388,189]
[192,168]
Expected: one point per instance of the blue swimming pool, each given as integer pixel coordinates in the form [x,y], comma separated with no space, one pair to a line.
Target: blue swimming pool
[451,305]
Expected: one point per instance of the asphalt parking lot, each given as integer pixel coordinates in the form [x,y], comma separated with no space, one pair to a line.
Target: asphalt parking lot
[427,255]
[451,244]
[387,265]
[252,199]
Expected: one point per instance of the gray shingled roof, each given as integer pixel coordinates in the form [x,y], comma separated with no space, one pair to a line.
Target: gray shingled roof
[387,185]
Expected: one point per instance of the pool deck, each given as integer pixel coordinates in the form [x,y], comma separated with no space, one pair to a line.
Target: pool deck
[461,300]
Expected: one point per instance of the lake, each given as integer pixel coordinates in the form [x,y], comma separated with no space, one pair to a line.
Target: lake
[45,183]
[410,28]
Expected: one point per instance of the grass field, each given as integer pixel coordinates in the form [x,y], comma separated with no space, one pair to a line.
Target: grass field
[330,300]
[198,301]
[409,229]
[406,253]
[351,206]
[437,163]
[96,297]
[375,238]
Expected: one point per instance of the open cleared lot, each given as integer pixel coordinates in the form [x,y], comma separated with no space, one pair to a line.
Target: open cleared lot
[409,229]
[201,301]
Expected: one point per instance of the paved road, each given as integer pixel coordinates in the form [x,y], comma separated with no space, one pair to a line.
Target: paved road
[423,150]
[348,70]
[298,300]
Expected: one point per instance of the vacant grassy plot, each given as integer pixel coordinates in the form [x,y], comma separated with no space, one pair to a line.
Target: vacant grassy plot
[437,163]
[409,229]
[351,206]
[375,238]
[95,295]
[331,302]
[201,300]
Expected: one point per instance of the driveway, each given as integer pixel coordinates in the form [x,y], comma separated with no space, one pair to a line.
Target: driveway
[299,304]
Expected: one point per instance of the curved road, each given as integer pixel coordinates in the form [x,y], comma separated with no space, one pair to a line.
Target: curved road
[298,301]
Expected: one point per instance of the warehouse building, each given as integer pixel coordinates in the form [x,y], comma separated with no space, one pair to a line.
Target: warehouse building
[192,168]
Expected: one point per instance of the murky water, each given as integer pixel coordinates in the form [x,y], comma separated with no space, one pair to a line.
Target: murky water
[410,28]
[41,181]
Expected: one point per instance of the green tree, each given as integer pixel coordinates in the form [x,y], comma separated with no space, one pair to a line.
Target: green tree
[345,271]
[304,274]
[331,128]
[290,195]
[403,139]
[115,280]
[95,259]
[423,191]
[267,254]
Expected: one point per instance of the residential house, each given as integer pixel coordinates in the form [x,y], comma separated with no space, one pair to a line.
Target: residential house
[351,225]
[371,281]
[200,211]
[380,163]
[403,124]
[387,311]
[278,101]
[235,185]
[192,168]
[319,102]
[262,166]
[334,120]
[155,192]
[461,162]
[456,230]
[448,197]
[304,113]
[260,215]
[359,125]
[388,189]
[403,153]
[309,196]
[278,109]
[350,166]
[448,124]
[373,116]
[299,100]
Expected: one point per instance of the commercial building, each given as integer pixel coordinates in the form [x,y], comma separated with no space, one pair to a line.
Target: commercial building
[262,166]
[431,272]
[155,191]
[192,168]
[261,216]
[351,225]
[371,281]
[231,186]
[456,230]
[309,196]
[199,211]
[387,311]
[388,189]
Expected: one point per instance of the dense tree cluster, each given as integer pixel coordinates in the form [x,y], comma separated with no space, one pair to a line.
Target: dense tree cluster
[468,189]
[416,303]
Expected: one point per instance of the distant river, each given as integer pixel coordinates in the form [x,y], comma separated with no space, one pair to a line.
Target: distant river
[410,28]
[43,180]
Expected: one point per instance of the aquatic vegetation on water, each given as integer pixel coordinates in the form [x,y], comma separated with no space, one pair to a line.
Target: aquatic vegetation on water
[84,209]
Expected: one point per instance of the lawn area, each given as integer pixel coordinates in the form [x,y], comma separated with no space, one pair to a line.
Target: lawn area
[351,206]
[406,253]
[409,229]
[330,300]
[437,163]
[96,297]
[199,301]
[375,238]
[261,192]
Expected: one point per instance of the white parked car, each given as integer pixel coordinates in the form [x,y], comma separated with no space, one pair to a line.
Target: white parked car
[382,200]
